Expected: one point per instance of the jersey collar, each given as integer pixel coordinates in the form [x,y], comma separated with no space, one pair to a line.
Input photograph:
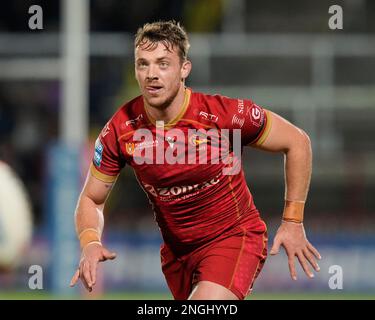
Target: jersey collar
[178,117]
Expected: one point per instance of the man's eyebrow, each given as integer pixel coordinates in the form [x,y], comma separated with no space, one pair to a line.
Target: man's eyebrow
[163,58]
[157,59]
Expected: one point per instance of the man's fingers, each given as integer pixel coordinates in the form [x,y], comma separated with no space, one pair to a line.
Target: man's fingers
[305,266]
[112,256]
[108,255]
[87,274]
[276,247]
[292,267]
[314,251]
[87,271]
[74,279]
[311,259]
[93,267]
[83,280]
[83,275]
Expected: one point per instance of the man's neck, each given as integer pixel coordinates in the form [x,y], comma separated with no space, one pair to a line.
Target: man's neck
[171,111]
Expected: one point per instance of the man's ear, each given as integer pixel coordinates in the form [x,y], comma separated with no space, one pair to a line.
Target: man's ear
[185,69]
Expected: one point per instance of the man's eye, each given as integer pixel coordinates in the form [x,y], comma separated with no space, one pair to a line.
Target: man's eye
[164,64]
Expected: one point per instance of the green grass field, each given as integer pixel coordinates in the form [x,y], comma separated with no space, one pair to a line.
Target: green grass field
[166,296]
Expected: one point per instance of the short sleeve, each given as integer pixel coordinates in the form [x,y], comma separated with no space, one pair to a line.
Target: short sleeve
[107,161]
[253,120]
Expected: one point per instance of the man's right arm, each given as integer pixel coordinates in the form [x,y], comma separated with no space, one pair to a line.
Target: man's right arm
[89,211]
[89,221]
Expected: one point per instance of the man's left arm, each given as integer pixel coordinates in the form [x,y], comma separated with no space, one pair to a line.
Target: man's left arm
[294,143]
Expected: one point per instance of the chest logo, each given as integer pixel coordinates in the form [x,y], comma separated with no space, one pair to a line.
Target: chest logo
[208,116]
[130,147]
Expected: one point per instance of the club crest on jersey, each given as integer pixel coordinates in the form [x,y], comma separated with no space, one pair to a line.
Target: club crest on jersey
[130,147]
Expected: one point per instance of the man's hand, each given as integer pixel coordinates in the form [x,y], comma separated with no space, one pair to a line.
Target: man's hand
[91,255]
[292,237]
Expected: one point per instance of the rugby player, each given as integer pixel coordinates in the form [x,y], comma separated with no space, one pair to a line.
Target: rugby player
[215,242]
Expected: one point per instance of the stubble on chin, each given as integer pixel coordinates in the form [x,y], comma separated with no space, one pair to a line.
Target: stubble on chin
[163,103]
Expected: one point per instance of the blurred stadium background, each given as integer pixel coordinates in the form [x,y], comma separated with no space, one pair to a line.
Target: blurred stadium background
[56,94]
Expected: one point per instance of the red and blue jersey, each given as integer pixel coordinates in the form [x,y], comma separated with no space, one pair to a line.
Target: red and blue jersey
[194,201]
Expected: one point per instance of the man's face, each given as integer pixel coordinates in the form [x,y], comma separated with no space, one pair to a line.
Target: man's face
[159,73]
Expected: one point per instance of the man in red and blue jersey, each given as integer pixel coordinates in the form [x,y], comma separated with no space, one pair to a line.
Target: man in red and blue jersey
[185,148]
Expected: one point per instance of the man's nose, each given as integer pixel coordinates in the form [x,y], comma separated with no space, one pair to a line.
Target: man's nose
[151,73]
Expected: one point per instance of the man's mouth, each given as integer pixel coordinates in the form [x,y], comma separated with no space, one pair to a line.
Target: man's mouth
[154,89]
